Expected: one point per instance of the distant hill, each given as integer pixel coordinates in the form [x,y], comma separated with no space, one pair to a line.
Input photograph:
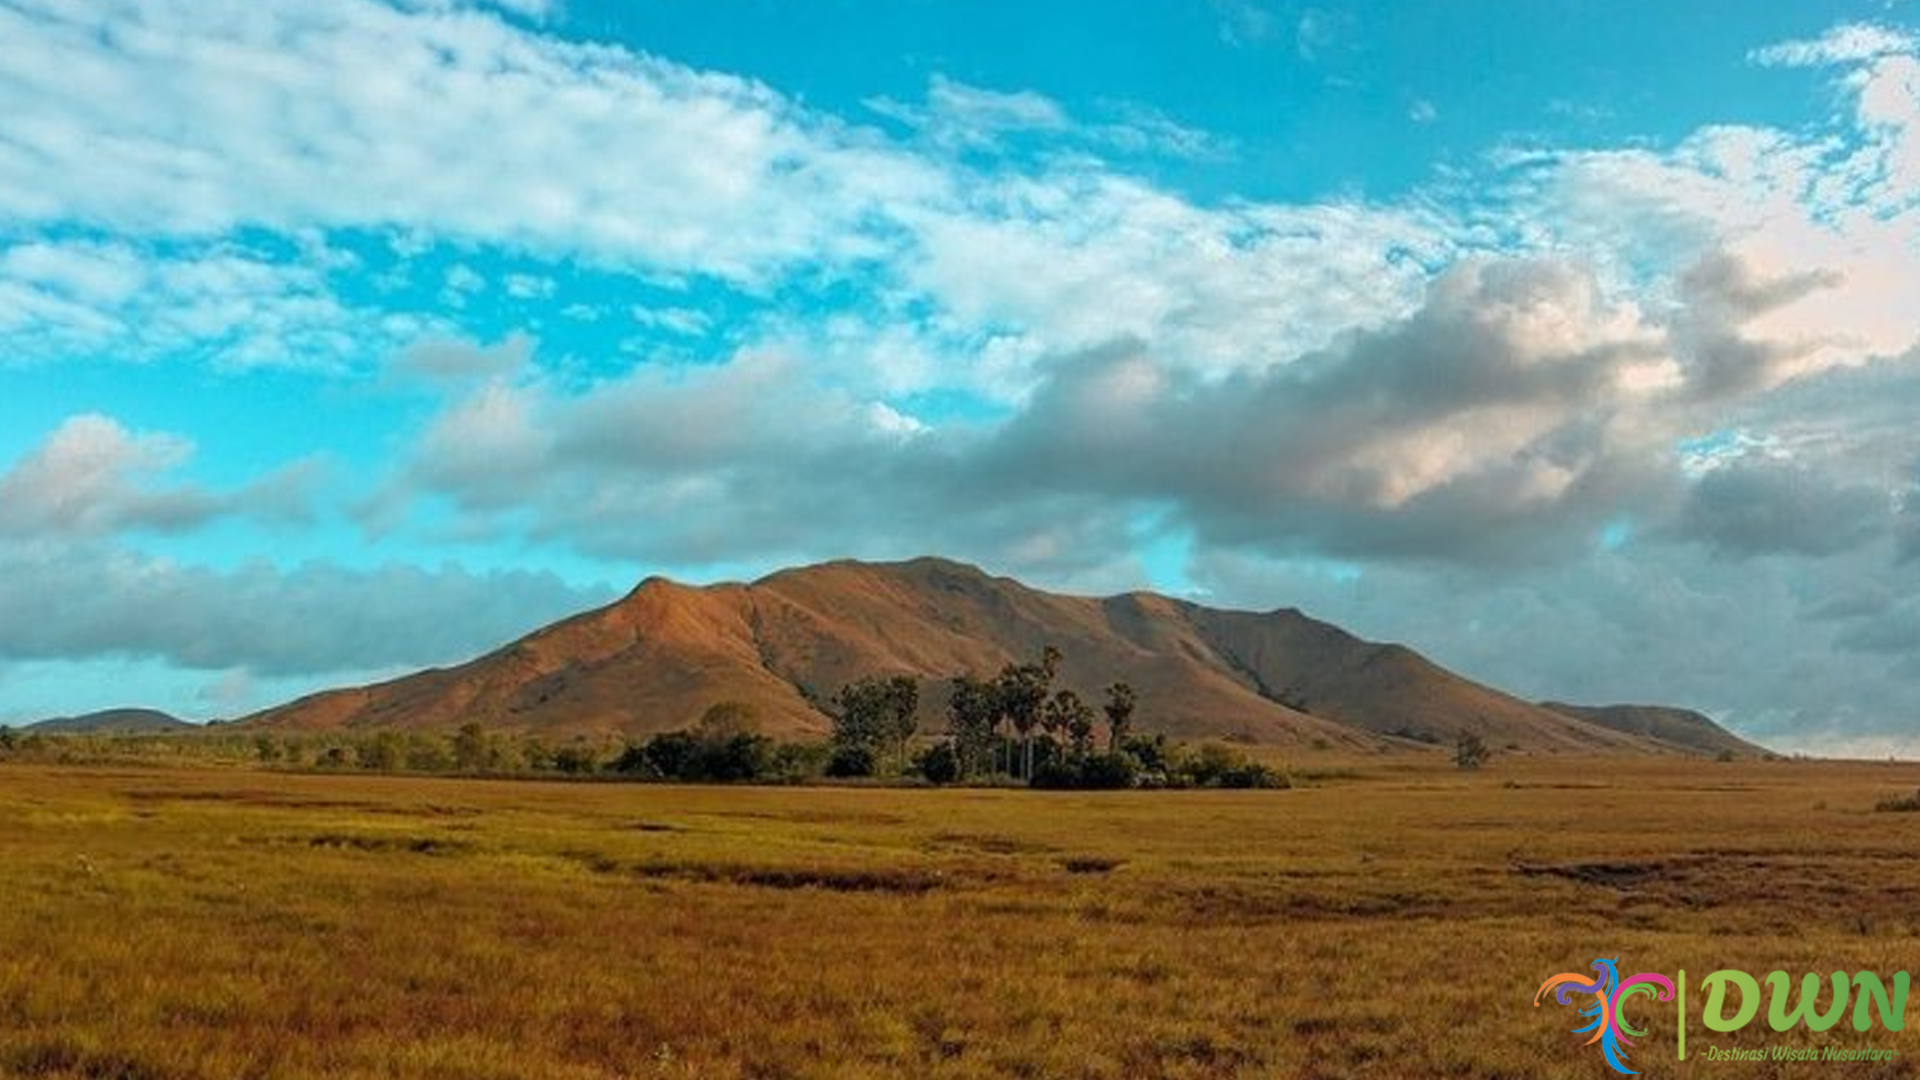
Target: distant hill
[114,722]
[657,658]
[1681,727]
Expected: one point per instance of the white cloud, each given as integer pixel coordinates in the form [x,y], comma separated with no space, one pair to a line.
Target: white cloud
[437,119]
[1848,43]
[219,302]
[957,118]
[531,286]
[93,477]
[1071,261]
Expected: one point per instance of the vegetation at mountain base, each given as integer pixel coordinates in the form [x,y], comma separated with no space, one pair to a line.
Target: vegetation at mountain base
[1014,728]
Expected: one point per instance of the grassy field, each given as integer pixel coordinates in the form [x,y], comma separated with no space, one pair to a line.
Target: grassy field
[166,923]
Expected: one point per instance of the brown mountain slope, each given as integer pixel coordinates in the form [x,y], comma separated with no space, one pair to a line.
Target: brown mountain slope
[654,660]
[1680,727]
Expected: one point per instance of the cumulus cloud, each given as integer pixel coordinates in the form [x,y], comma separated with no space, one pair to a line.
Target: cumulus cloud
[1507,414]
[1078,259]
[94,476]
[312,619]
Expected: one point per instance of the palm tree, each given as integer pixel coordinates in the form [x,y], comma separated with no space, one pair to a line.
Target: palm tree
[1119,710]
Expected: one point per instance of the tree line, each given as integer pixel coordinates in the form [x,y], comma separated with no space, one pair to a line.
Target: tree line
[1016,727]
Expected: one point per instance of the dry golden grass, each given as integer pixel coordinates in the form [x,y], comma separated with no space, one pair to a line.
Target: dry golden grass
[167,923]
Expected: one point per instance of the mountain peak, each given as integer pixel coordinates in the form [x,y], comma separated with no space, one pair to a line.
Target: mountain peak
[658,658]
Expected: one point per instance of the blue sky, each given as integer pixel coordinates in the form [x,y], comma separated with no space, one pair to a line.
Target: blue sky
[1572,343]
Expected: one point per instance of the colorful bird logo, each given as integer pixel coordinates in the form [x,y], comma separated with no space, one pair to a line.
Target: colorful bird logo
[1609,1024]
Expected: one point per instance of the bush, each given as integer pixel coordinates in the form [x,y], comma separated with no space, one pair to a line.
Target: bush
[791,763]
[733,759]
[938,764]
[1154,754]
[426,753]
[576,759]
[1900,804]
[851,760]
[663,757]
[1109,772]
[1103,772]
[703,757]
[1215,765]
[1471,751]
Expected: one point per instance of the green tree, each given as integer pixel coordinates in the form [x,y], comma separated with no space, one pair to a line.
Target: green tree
[1067,714]
[876,717]
[576,759]
[385,752]
[1022,691]
[939,764]
[471,751]
[973,714]
[1119,709]
[428,753]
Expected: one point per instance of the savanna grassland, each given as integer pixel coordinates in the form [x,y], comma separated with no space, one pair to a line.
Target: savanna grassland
[176,923]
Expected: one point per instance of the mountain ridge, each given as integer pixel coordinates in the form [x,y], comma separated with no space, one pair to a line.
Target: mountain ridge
[121,721]
[782,644]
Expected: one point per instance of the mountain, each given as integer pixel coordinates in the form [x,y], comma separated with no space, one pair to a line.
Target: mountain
[1681,727]
[657,658]
[114,722]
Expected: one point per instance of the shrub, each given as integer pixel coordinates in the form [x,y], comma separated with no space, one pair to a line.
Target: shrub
[671,756]
[426,753]
[576,759]
[1154,754]
[385,752]
[851,760]
[1470,751]
[1093,772]
[1900,804]
[791,763]
[938,764]
[707,757]
[733,759]
[1215,765]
